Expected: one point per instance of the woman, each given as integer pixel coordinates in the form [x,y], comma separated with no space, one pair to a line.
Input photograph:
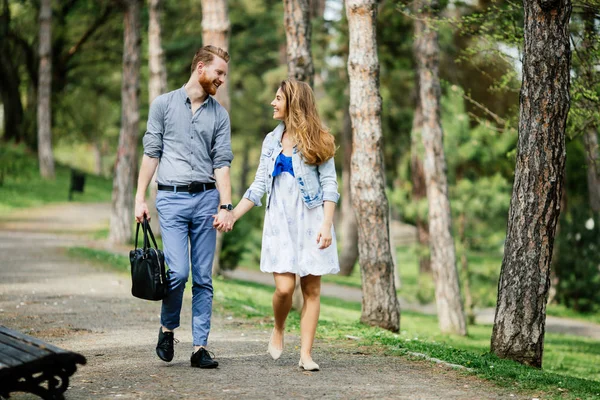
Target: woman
[297,172]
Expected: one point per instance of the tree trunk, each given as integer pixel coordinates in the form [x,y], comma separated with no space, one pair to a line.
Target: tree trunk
[300,66]
[44,114]
[121,219]
[451,316]
[215,31]
[380,305]
[157,85]
[592,159]
[419,188]
[519,324]
[464,261]
[348,225]
[298,37]
[97,155]
[245,172]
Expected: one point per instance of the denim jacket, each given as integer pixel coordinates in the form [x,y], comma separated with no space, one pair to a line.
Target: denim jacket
[317,183]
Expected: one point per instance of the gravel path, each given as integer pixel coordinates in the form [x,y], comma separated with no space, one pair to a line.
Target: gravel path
[83,308]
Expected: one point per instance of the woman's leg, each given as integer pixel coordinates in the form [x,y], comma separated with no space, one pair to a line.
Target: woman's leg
[282,303]
[311,291]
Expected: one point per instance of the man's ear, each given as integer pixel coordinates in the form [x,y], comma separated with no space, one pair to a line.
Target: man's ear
[199,67]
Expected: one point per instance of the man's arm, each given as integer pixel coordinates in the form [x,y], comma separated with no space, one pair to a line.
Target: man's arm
[224,221]
[147,170]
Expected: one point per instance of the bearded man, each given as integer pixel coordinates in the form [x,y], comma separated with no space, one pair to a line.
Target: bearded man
[189,139]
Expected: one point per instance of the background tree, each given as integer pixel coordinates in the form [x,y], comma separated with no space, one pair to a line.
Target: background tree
[379,304]
[519,323]
[451,316]
[121,220]
[44,108]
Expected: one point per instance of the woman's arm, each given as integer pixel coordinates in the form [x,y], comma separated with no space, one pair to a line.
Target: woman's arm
[324,237]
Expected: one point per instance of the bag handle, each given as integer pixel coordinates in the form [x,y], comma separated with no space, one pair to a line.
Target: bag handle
[147,231]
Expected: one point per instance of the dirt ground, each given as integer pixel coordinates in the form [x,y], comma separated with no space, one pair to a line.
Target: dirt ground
[81,307]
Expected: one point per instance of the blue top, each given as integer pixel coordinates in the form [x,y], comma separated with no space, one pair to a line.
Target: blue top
[190,147]
[283,164]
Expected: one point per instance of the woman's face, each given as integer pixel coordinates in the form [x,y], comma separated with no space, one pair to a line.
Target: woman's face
[279,106]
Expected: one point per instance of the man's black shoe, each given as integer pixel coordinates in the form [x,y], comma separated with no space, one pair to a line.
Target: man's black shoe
[164,347]
[202,359]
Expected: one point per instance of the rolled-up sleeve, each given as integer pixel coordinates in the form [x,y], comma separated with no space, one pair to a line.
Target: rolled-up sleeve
[153,138]
[222,155]
[328,179]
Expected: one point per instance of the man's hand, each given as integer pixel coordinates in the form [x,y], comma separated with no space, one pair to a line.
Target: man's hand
[224,221]
[141,210]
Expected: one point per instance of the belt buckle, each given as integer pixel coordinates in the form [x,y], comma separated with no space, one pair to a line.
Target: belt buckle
[195,187]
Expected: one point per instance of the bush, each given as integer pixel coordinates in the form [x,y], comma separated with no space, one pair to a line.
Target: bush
[578,261]
[244,241]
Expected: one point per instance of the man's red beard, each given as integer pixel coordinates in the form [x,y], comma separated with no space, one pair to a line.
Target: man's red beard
[208,85]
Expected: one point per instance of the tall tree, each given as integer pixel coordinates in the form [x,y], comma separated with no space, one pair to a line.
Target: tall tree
[348,223]
[298,36]
[44,110]
[121,220]
[451,316]
[157,84]
[519,323]
[417,174]
[380,305]
[215,31]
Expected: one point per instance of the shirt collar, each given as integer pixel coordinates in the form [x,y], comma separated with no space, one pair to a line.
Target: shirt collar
[186,99]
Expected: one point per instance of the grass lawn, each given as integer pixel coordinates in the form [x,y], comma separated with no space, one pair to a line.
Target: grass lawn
[26,188]
[571,364]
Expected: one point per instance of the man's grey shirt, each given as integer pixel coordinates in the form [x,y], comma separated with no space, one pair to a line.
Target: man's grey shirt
[190,147]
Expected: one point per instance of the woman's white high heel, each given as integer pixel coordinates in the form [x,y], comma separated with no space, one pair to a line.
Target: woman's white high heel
[275,353]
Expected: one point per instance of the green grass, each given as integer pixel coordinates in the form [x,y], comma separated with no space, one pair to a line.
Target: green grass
[26,188]
[571,364]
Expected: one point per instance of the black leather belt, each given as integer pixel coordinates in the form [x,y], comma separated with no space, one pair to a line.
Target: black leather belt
[194,187]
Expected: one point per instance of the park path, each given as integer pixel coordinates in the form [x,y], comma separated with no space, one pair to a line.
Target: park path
[84,308]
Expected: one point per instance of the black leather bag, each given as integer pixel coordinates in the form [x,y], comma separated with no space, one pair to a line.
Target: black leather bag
[148,275]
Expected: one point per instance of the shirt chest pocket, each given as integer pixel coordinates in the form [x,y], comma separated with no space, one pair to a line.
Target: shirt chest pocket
[266,152]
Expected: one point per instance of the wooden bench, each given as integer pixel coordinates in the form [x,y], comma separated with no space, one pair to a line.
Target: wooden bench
[30,365]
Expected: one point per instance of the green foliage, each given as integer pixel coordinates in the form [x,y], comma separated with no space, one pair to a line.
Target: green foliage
[243,243]
[16,162]
[577,269]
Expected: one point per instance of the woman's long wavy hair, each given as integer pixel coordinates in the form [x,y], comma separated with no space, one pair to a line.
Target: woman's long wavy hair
[302,122]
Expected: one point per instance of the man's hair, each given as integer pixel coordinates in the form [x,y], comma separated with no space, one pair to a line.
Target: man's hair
[207,53]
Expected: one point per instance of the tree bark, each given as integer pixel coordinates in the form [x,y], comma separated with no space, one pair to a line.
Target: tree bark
[379,303]
[348,225]
[215,31]
[44,113]
[590,139]
[464,261]
[298,37]
[300,66]
[157,85]
[519,324]
[451,316]
[121,219]
[419,188]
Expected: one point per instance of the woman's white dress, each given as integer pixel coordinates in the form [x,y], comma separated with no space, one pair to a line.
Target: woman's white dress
[290,234]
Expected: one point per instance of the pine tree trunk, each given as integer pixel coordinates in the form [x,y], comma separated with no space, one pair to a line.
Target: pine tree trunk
[298,36]
[97,153]
[419,188]
[592,159]
[300,66]
[380,305]
[215,30]
[157,85]
[121,219]
[44,114]
[519,324]
[348,225]
[451,316]
[464,261]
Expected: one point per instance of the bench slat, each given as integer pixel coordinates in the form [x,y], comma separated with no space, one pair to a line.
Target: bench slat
[30,340]
[26,348]
[19,354]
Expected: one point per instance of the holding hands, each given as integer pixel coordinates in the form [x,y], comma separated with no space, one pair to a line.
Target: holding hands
[224,221]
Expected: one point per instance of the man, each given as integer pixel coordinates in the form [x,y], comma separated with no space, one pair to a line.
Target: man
[189,139]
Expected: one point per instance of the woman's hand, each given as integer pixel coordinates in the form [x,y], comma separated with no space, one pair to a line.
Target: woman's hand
[324,236]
